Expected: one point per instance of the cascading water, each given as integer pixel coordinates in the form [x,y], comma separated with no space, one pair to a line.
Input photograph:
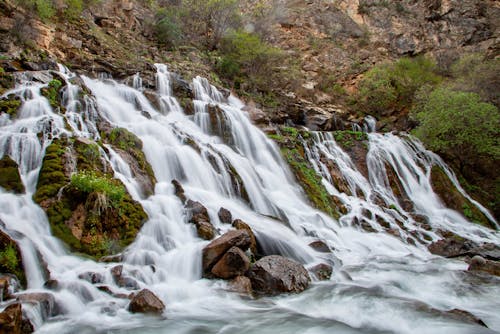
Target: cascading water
[381,283]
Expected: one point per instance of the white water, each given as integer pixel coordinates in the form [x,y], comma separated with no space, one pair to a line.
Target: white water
[379,281]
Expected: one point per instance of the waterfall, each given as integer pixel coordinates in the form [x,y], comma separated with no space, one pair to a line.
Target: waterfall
[222,160]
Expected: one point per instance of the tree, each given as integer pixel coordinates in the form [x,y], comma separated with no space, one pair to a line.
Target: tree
[459,125]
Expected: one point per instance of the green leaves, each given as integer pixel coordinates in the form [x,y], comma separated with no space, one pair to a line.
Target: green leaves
[90,182]
[458,124]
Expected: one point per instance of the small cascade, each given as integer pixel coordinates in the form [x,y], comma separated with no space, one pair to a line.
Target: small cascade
[378,247]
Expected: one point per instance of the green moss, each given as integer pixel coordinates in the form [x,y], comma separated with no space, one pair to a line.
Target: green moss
[51,92]
[347,138]
[453,199]
[51,177]
[6,81]
[88,155]
[10,179]
[10,262]
[10,106]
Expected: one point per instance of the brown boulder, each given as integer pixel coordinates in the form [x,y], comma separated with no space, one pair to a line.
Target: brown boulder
[205,230]
[146,302]
[451,247]
[241,284]
[241,225]
[44,300]
[225,216]
[199,217]
[320,246]
[233,263]
[179,191]
[480,264]
[11,319]
[276,274]
[214,251]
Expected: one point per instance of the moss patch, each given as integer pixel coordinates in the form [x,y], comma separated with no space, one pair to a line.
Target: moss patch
[293,152]
[10,105]
[6,81]
[452,198]
[10,258]
[10,179]
[51,92]
[348,138]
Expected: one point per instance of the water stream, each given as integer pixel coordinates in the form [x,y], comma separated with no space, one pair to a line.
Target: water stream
[382,282]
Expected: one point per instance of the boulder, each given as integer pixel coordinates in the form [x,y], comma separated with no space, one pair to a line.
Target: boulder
[146,302]
[199,216]
[320,246]
[322,271]
[241,225]
[451,247]
[179,191]
[233,263]
[214,251]
[8,285]
[45,301]
[479,263]
[225,216]
[11,319]
[205,230]
[241,284]
[91,277]
[276,274]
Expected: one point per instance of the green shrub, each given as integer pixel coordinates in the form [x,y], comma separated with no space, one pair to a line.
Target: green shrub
[8,259]
[458,125]
[90,182]
[168,28]
[392,86]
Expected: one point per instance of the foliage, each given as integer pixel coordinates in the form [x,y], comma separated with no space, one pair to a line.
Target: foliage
[89,182]
[46,10]
[458,125]
[8,258]
[10,179]
[10,106]
[392,86]
[168,27]
[51,92]
[346,138]
[246,58]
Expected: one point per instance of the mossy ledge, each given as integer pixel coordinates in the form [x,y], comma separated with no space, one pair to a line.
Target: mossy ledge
[86,215]
[11,261]
[289,140]
[453,199]
[10,179]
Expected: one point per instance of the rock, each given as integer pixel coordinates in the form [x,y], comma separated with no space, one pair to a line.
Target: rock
[9,284]
[11,319]
[233,263]
[14,264]
[451,247]
[241,225]
[320,246]
[116,272]
[241,284]
[465,316]
[214,251]
[92,277]
[205,230]
[322,271]
[179,191]
[480,264]
[44,300]
[112,258]
[146,302]
[51,284]
[276,274]
[26,326]
[225,216]
[10,178]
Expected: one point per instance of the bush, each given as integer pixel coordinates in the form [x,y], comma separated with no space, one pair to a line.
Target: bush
[246,56]
[392,86]
[168,28]
[459,125]
[90,182]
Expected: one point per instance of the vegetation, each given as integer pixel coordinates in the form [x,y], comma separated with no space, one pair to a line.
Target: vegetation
[10,261]
[89,182]
[458,125]
[10,179]
[10,105]
[46,10]
[347,138]
[51,92]
[392,86]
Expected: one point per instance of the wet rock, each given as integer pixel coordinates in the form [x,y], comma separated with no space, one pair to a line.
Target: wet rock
[276,274]
[181,88]
[205,230]
[322,271]
[91,277]
[26,326]
[12,264]
[451,247]
[241,225]
[9,284]
[44,300]
[214,251]
[179,191]
[112,258]
[320,246]
[225,216]
[241,284]
[51,284]
[233,263]
[10,179]
[465,316]
[480,264]
[146,302]
[11,319]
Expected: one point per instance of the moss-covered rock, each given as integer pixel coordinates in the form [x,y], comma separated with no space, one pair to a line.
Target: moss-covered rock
[52,93]
[10,105]
[453,199]
[10,179]
[6,81]
[11,261]
[87,208]
[129,146]
[293,151]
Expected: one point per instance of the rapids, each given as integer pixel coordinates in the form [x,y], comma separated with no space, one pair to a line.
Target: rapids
[381,283]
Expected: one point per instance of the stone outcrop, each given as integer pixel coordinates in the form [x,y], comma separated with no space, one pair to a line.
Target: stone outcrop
[241,285]
[241,225]
[146,302]
[322,271]
[233,263]
[11,319]
[215,250]
[478,263]
[44,300]
[198,215]
[275,274]
[225,216]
